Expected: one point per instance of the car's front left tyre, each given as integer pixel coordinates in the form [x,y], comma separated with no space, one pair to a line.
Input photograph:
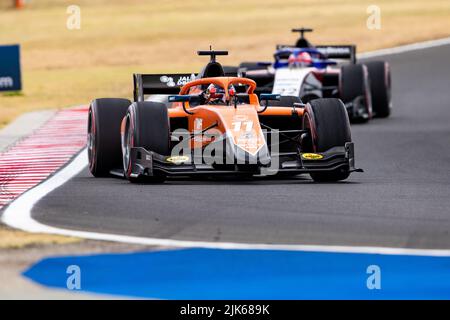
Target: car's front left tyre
[328,123]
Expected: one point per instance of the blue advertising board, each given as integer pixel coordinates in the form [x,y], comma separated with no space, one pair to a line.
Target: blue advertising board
[10,79]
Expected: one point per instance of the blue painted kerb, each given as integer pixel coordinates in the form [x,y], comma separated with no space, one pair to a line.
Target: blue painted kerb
[250,274]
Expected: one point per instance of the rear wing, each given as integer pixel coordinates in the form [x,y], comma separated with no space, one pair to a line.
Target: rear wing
[145,84]
[346,52]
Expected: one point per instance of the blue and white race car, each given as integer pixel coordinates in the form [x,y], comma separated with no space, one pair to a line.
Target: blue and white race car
[310,72]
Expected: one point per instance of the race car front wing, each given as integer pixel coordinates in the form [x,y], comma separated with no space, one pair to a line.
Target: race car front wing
[148,163]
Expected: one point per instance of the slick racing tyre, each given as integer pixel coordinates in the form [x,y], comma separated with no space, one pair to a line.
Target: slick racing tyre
[146,126]
[103,143]
[328,122]
[380,87]
[354,89]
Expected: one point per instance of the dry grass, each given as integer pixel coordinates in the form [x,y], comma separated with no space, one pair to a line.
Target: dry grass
[63,67]
[14,239]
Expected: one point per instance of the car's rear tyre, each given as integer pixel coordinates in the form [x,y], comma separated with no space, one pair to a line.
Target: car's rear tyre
[354,87]
[329,126]
[103,144]
[380,87]
[146,126]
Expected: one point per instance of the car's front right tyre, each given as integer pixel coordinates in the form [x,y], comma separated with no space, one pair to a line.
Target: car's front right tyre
[146,126]
[103,140]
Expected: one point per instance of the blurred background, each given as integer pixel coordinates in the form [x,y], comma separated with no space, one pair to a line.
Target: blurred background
[63,67]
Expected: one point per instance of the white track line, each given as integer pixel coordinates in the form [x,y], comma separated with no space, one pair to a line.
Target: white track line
[18,213]
[405,48]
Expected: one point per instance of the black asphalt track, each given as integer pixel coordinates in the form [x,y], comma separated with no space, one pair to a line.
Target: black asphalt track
[402,199]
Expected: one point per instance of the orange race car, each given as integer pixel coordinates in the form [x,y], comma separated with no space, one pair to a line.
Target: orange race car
[213,123]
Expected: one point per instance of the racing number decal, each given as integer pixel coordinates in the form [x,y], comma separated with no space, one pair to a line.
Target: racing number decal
[245,135]
[237,125]
[198,124]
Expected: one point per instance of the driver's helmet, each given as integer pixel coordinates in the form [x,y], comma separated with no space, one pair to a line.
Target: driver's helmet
[214,94]
[301,59]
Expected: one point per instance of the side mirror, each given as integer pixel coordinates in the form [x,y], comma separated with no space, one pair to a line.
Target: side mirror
[179,98]
[267,97]
[184,98]
[270,96]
